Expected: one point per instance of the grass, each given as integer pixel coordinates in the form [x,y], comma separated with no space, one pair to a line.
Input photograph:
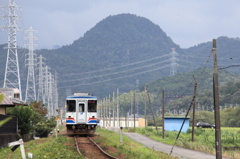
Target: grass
[127,149]
[204,139]
[45,148]
[63,147]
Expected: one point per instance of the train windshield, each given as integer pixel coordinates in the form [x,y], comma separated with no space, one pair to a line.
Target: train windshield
[92,106]
[71,105]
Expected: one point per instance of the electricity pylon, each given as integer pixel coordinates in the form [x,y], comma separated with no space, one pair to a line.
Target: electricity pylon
[30,88]
[41,94]
[173,60]
[12,76]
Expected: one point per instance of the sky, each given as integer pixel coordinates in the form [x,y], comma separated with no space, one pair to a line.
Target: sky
[186,22]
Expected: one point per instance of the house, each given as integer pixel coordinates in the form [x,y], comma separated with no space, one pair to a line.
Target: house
[11,98]
[174,123]
[6,102]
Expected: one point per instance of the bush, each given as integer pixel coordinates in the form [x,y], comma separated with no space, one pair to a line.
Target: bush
[43,128]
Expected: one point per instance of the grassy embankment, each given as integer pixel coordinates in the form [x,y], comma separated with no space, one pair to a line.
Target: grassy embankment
[63,147]
[204,139]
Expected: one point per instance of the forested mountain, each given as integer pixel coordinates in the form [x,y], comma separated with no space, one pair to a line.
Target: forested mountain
[120,50]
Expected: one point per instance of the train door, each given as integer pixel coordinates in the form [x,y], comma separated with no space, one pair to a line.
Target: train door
[82,115]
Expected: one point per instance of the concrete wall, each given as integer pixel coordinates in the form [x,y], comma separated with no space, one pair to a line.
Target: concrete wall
[129,122]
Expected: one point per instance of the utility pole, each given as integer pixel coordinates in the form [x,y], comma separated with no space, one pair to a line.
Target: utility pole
[194,107]
[218,144]
[145,106]
[163,129]
[134,110]
[152,111]
[109,110]
[30,88]
[12,75]
[113,100]
[118,124]
[137,100]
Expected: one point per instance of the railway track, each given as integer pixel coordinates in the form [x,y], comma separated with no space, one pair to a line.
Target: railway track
[89,149]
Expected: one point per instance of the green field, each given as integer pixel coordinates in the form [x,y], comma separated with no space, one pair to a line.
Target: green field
[204,139]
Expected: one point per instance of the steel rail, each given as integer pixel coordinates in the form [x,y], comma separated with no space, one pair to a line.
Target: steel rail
[111,157]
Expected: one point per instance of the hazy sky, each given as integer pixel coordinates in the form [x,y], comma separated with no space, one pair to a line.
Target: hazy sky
[187,22]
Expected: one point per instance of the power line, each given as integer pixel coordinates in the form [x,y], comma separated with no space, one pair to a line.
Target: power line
[127,65]
[117,77]
[124,71]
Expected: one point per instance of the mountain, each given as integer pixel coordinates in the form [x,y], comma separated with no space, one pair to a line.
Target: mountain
[122,51]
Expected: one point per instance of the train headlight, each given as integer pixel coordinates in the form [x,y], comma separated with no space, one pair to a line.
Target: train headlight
[73,127]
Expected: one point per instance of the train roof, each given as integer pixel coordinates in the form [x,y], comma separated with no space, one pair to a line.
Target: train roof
[81,97]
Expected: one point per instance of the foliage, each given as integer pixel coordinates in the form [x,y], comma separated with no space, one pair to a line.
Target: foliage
[25,115]
[43,128]
[31,119]
[1,97]
[39,107]
[230,117]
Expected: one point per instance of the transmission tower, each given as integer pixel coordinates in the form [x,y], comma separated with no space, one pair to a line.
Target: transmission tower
[46,85]
[12,76]
[41,94]
[55,94]
[30,88]
[50,95]
[173,60]
[68,92]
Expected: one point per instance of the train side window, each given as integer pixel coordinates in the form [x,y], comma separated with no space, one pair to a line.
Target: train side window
[71,105]
[81,107]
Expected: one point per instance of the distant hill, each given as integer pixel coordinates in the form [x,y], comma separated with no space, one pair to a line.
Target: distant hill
[118,51]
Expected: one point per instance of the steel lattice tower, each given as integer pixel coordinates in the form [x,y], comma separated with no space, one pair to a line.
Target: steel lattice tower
[46,90]
[173,65]
[50,94]
[12,76]
[30,89]
[41,94]
[55,94]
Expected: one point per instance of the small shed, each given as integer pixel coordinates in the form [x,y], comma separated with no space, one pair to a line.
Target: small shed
[174,123]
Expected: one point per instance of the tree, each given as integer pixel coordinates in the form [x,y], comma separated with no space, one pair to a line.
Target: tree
[25,115]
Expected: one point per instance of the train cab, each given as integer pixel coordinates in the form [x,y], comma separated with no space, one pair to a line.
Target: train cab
[81,113]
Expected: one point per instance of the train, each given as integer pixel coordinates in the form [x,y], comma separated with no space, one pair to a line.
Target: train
[81,114]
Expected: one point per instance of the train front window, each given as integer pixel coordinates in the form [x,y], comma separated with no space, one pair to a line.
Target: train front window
[92,106]
[71,105]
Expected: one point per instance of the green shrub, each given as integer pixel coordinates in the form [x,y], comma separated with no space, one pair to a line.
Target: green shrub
[42,129]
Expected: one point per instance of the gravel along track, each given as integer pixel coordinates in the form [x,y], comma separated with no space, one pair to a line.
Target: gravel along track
[89,150]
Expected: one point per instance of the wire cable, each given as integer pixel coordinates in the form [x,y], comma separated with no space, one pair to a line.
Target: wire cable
[127,65]
[118,77]
[109,74]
